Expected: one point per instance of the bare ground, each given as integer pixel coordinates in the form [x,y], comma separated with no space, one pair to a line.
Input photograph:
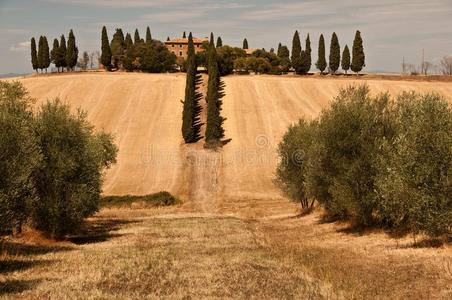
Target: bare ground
[235,236]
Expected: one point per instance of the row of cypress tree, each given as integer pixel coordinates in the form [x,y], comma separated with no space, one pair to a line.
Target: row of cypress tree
[214,126]
[301,60]
[356,64]
[61,56]
[191,123]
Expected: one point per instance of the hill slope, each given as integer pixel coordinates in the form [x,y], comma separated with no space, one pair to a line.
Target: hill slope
[144,113]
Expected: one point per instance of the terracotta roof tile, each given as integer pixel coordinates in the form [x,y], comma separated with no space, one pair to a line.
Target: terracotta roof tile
[185,41]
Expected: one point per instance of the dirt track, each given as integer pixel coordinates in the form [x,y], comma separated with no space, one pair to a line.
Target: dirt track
[144,113]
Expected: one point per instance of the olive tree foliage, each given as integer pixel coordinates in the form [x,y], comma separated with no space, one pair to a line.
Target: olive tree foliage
[414,182]
[349,134]
[52,164]
[291,172]
[69,179]
[19,155]
[376,160]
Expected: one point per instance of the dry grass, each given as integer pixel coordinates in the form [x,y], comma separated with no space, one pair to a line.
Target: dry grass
[173,253]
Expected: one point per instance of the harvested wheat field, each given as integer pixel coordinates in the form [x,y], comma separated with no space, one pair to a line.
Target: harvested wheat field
[234,236]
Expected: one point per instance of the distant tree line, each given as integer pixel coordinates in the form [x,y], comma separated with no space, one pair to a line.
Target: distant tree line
[62,55]
[52,163]
[148,55]
[260,61]
[376,160]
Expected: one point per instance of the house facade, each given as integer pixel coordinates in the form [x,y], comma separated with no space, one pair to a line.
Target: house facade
[180,46]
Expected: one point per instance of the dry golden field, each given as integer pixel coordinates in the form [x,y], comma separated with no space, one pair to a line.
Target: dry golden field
[235,236]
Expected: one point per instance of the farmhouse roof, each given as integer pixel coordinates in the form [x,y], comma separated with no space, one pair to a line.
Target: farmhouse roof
[250,51]
[185,41]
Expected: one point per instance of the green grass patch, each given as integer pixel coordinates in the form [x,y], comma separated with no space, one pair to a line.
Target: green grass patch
[157,199]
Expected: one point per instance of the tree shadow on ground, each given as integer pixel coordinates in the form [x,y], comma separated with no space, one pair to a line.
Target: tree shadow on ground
[19,249]
[11,286]
[99,230]
[12,265]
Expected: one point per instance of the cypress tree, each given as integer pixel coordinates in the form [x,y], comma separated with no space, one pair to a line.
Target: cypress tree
[54,54]
[279,50]
[128,41]
[358,60]
[219,42]
[117,46]
[41,53]
[148,36]
[167,38]
[296,47]
[136,38]
[191,125]
[71,51]
[46,54]
[335,54]
[214,127]
[245,44]
[62,53]
[321,61]
[345,59]
[105,57]
[34,55]
[184,36]
[307,59]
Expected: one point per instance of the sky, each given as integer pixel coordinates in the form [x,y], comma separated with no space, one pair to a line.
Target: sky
[391,29]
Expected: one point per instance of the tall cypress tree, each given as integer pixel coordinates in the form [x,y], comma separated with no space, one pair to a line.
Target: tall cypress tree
[245,44]
[219,42]
[128,41]
[34,55]
[62,53]
[321,61]
[191,125]
[335,54]
[358,60]
[41,53]
[307,59]
[46,57]
[71,51]
[296,47]
[345,59]
[136,38]
[105,57]
[214,127]
[54,54]
[148,36]
[279,50]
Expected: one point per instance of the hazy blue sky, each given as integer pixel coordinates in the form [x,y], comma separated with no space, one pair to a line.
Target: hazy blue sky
[390,28]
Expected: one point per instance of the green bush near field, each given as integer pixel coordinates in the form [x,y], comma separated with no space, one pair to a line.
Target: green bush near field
[157,199]
[374,159]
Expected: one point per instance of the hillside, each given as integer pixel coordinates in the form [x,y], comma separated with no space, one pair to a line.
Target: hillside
[234,236]
[144,113]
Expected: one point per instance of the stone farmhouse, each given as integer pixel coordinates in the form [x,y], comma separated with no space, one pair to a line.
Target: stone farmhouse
[180,46]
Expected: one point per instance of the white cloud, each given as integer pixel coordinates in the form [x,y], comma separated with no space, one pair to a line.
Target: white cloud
[20,47]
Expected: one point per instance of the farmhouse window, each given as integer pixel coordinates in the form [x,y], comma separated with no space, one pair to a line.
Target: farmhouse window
[180,53]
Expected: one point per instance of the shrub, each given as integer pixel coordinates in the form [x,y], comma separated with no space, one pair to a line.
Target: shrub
[377,161]
[68,181]
[415,168]
[157,199]
[291,172]
[19,155]
[350,134]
